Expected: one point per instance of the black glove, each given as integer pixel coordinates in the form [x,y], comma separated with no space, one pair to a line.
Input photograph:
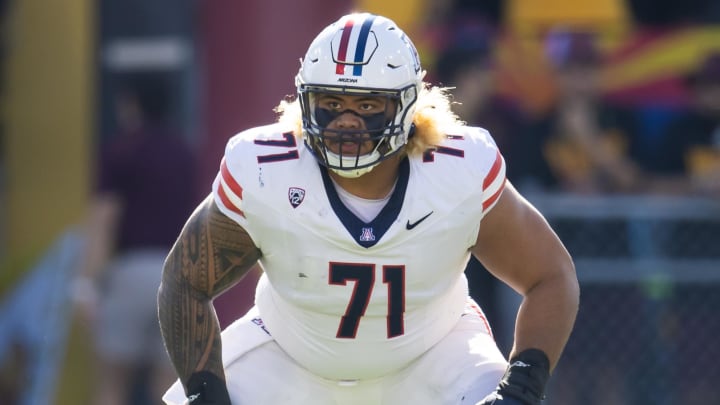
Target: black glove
[205,388]
[524,380]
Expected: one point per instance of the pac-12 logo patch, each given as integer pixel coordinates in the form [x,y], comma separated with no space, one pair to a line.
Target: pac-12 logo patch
[296,196]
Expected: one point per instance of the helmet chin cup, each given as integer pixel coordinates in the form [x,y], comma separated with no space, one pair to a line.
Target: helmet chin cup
[353,173]
[351,167]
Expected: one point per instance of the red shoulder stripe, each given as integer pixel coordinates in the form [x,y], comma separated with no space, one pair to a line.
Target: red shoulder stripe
[490,201]
[494,170]
[227,203]
[229,180]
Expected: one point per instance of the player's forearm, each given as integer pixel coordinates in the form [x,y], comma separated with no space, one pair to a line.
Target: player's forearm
[547,315]
[211,254]
[188,323]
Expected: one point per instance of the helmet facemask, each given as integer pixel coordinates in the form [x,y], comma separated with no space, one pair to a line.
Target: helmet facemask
[344,150]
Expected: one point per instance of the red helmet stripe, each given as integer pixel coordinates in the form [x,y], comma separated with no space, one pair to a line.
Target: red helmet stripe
[344,41]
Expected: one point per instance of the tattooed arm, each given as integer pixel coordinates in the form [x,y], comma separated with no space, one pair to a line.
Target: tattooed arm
[211,254]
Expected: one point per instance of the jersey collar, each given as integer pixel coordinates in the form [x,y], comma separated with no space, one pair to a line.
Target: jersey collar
[368,234]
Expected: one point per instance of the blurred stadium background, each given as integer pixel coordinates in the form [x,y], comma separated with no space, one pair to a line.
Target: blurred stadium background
[649,266]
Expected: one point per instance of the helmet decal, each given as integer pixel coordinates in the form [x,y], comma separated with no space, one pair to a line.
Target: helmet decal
[359,40]
[413,51]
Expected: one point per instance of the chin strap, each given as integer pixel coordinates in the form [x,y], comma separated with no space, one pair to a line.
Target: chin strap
[411,131]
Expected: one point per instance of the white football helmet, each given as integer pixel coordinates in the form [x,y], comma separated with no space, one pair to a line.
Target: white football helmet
[360,54]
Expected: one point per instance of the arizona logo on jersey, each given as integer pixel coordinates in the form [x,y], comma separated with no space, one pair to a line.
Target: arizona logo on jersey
[367,235]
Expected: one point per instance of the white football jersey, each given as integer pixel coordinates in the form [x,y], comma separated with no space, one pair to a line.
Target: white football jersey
[348,299]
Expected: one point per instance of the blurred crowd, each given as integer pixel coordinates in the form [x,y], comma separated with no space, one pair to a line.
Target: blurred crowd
[550,98]
[583,137]
[546,96]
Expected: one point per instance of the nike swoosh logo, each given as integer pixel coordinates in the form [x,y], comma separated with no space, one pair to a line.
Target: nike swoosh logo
[409,225]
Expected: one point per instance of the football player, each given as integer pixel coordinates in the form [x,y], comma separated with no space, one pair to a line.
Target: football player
[362,205]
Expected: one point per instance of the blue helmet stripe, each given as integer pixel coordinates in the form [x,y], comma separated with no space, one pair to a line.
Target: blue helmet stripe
[361,44]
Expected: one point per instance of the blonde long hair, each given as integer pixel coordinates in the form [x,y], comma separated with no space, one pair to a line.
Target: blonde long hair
[433,115]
